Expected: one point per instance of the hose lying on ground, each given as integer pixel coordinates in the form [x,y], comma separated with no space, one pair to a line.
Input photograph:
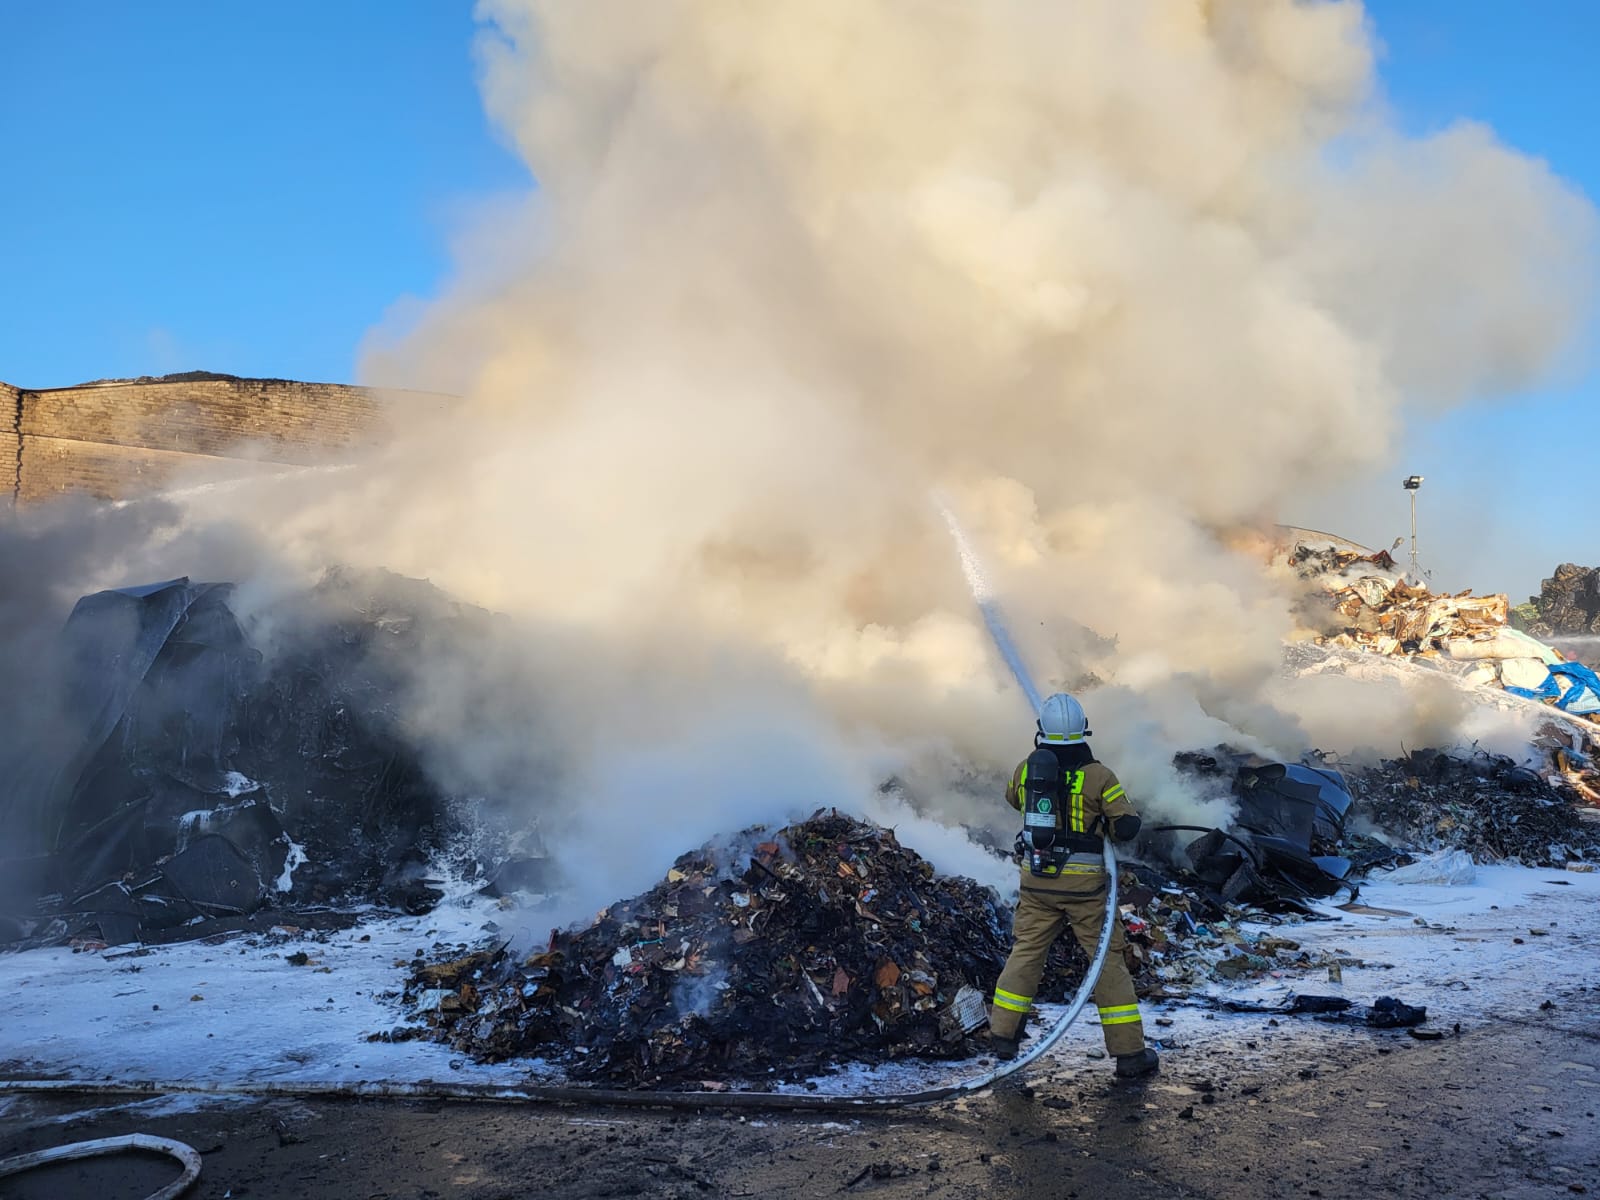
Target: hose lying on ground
[187,1157]
[618,1097]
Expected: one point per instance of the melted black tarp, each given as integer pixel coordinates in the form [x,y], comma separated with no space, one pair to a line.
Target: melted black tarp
[188,775]
[1290,821]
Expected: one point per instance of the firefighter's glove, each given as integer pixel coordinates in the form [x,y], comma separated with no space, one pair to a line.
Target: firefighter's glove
[1125,828]
[1020,846]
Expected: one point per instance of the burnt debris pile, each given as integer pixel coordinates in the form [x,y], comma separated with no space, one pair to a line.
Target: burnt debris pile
[1485,804]
[1290,839]
[774,957]
[188,776]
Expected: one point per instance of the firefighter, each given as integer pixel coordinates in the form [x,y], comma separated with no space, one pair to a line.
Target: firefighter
[1067,801]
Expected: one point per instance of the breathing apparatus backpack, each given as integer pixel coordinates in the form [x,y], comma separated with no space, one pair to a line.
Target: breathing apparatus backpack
[1044,798]
[1048,839]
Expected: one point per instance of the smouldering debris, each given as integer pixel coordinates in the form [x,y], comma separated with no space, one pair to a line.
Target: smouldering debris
[821,942]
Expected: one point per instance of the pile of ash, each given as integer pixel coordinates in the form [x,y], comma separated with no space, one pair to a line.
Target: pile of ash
[823,942]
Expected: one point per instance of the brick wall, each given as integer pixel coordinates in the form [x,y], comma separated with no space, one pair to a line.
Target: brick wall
[51,466]
[118,439]
[10,446]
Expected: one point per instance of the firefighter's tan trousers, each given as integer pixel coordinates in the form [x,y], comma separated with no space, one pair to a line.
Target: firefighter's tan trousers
[1041,914]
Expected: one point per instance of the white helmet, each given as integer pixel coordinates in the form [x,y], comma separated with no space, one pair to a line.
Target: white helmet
[1061,721]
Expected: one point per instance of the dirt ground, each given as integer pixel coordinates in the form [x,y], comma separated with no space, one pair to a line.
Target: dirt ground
[1506,1110]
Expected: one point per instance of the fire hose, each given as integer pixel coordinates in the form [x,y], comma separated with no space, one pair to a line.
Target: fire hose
[187,1158]
[645,1098]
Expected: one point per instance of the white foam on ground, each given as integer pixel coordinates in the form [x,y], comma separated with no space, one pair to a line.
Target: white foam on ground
[296,857]
[1458,952]
[238,1011]
[237,785]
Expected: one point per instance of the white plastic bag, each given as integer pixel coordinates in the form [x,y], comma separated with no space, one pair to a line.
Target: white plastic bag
[1449,868]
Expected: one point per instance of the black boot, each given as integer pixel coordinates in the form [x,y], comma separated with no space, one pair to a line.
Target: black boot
[1132,1066]
[1004,1048]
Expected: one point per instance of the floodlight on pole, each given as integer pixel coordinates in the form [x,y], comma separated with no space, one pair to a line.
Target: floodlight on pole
[1412,484]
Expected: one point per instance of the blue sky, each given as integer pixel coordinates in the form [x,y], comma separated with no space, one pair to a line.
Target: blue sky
[1498,509]
[248,187]
[238,187]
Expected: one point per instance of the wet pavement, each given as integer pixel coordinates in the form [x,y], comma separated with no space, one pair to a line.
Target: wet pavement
[1507,1109]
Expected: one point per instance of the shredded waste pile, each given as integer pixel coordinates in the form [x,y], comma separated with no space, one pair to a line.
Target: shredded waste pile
[1484,804]
[1182,938]
[827,941]
[1567,606]
[1184,899]
[1183,911]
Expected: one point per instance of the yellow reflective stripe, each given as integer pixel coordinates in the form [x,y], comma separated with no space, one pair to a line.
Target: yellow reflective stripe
[1012,1002]
[1077,802]
[1083,870]
[1119,1014]
[1114,794]
[1022,783]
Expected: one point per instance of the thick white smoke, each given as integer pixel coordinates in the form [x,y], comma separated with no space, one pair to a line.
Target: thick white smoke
[1120,276]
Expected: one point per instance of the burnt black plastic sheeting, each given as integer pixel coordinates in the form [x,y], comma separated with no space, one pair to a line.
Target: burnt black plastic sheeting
[1294,816]
[1385,1012]
[110,642]
[142,666]
[180,764]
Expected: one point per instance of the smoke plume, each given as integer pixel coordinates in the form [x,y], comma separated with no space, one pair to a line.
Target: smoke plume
[1120,277]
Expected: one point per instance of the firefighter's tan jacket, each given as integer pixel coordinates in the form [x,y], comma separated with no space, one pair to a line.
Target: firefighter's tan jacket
[1095,799]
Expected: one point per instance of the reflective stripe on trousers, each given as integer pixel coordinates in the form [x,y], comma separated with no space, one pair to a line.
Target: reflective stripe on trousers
[1012,1002]
[1043,914]
[1119,1014]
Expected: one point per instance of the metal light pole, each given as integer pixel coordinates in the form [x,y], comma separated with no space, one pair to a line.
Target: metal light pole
[1412,484]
